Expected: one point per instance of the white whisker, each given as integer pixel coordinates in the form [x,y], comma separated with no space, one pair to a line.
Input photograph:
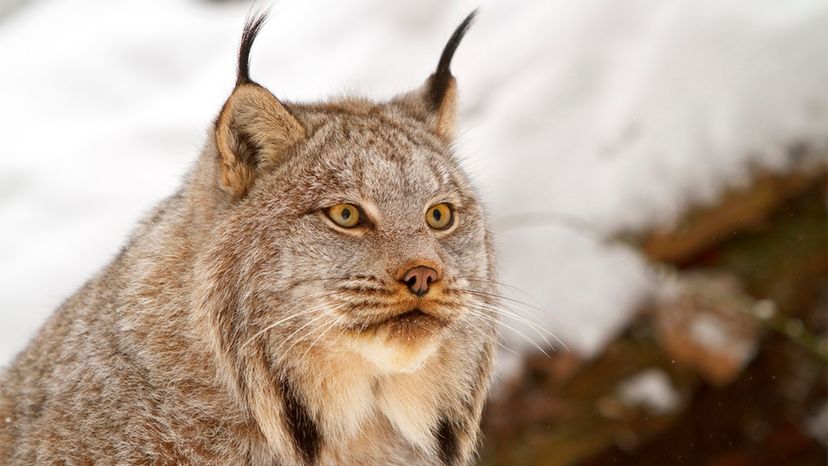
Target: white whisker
[501,312]
[506,298]
[333,323]
[274,324]
[491,338]
[525,336]
[535,326]
[297,340]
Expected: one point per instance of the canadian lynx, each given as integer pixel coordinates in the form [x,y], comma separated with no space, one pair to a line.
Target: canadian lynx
[318,291]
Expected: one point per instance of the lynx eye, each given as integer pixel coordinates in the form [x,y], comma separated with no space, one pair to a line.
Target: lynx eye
[440,216]
[344,215]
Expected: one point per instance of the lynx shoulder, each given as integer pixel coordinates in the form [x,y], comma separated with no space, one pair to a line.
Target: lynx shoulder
[317,291]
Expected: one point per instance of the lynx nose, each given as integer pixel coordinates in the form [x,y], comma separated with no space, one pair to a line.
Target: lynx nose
[419,278]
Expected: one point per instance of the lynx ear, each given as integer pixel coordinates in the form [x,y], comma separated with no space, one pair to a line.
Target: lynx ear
[436,101]
[253,129]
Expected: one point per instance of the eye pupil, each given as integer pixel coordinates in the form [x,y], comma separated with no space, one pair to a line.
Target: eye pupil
[344,215]
[440,216]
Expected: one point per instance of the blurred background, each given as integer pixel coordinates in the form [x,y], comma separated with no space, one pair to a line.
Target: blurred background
[655,173]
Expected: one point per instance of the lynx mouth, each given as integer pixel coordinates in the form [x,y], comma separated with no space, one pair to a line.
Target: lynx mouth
[401,342]
[411,316]
[414,319]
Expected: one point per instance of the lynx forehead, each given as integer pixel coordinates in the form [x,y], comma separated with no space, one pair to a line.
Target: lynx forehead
[319,291]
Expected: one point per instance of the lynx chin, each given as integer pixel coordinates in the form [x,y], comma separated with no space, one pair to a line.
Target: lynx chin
[319,291]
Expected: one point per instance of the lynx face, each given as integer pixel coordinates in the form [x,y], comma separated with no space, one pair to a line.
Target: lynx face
[389,281]
[351,228]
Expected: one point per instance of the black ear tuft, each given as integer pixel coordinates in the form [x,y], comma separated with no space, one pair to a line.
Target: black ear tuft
[252,27]
[441,78]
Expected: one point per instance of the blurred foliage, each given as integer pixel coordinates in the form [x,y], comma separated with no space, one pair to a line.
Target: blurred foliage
[773,238]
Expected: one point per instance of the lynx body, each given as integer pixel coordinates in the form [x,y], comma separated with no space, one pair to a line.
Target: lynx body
[316,292]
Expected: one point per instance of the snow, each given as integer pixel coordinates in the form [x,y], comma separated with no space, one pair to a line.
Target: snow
[728,345]
[817,425]
[618,114]
[650,389]
[712,333]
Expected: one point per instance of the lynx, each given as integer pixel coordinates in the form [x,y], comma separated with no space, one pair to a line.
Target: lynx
[317,291]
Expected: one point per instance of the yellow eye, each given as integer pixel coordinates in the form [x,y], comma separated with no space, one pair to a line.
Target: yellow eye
[440,216]
[344,215]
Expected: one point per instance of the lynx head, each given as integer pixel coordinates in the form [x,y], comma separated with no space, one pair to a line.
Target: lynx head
[346,227]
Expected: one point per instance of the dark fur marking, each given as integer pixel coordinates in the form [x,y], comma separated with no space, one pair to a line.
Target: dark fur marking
[447,442]
[252,27]
[439,81]
[304,431]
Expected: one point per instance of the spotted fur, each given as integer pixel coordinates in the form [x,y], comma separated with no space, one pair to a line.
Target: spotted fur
[239,325]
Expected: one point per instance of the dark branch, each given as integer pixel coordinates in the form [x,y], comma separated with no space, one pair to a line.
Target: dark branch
[441,78]
[252,27]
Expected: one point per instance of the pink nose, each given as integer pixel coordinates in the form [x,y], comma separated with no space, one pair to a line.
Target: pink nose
[419,278]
